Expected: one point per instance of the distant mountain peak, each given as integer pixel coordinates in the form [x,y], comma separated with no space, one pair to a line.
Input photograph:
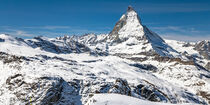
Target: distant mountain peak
[129,25]
[129,29]
[130,8]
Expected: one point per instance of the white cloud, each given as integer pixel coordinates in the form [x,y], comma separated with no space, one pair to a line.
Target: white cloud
[66,29]
[23,33]
[189,30]
[17,33]
[175,28]
[48,27]
[187,38]
[181,33]
[50,31]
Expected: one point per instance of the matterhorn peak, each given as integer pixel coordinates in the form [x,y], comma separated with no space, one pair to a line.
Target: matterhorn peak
[130,29]
[129,25]
[131,13]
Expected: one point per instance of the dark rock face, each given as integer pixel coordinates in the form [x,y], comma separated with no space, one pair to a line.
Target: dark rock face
[43,91]
[205,95]
[121,87]
[130,9]
[153,37]
[203,48]
[62,92]
[12,59]
[150,93]
[114,33]
[148,67]
[53,94]
[88,39]
[165,59]
[45,57]
[15,81]
[99,52]
[77,47]
[7,58]
[207,66]
[2,40]
[187,44]
[70,46]
[136,59]
[44,45]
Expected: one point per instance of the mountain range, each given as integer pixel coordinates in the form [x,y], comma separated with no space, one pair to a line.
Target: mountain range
[130,63]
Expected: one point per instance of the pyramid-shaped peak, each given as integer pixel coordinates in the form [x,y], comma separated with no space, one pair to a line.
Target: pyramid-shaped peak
[128,26]
[130,8]
[130,29]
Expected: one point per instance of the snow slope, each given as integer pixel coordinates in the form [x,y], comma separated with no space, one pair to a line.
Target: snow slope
[198,51]
[100,71]
[116,99]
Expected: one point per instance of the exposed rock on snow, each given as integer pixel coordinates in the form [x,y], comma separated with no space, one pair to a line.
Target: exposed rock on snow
[121,87]
[207,66]
[204,48]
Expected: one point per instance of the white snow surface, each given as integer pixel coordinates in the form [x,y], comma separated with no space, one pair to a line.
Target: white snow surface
[133,27]
[117,99]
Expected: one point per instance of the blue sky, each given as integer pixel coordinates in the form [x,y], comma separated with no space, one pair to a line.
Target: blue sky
[187,20]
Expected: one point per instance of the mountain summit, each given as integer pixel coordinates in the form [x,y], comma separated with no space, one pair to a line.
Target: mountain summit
[130,8]
[129,29]
[129,25]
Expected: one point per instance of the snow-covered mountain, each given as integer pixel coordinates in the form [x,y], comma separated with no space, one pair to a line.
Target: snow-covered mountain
[130,32]
[87,70]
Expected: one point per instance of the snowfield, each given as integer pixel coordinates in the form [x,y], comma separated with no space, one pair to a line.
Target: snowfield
[116,99]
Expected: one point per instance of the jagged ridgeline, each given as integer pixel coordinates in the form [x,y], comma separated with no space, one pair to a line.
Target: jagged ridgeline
[130,61]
